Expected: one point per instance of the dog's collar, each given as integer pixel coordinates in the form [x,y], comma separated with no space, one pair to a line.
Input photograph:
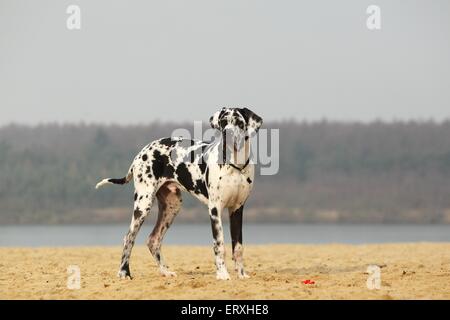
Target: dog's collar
[241,169]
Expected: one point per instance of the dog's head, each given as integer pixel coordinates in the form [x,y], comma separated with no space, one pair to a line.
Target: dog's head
[239,119]
[239,123]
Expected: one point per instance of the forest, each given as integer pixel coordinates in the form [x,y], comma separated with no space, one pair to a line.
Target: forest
[329,172]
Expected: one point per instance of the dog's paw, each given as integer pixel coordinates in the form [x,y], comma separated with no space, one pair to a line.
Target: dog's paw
[223,275]
[167,273]
[123,274]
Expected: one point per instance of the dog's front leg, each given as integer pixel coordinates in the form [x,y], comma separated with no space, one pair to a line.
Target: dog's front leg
[236,241]
[215,214]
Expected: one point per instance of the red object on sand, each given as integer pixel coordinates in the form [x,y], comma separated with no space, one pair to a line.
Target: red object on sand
[308,281]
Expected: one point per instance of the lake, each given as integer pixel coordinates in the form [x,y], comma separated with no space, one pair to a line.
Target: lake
[200,234]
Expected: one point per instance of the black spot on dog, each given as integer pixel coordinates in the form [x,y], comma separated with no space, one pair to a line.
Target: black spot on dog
[239,122]
[147,171]
[144,157]
[126,268]
[118,181]
[161,166]
[214,212]
[249,180]
[137,214]
[158,256]
[223,123]
[246,113]
[202,165]
[200,187]
[207,177]
[140,198]
[215,236]
[157,165]
[222,112]
[135,196]
[168,142]
[184,177]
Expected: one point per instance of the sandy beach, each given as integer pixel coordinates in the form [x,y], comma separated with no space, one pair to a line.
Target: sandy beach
[408,271]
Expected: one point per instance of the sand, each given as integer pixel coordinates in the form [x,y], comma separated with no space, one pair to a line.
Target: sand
[408,271]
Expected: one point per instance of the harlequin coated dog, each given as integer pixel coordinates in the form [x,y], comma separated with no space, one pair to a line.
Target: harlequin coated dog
[219,174]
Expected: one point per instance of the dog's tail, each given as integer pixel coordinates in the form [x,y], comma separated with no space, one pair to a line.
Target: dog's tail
[123,180]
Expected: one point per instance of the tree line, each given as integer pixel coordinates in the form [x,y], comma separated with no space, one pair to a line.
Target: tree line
[396,172]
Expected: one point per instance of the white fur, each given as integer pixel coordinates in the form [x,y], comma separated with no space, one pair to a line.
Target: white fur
[102,183]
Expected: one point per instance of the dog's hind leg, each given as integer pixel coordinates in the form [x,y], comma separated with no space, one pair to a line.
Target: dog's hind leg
[142,205]
[169,204]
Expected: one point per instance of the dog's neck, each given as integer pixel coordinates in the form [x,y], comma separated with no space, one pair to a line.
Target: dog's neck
[238,159]
[241,158]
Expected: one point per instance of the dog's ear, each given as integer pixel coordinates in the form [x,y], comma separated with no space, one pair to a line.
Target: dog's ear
[215,119]
[254,121]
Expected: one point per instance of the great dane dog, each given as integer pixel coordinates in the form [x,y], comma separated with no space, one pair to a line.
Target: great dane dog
[219,174]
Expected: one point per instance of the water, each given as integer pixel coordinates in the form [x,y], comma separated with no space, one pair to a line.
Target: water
[200,234]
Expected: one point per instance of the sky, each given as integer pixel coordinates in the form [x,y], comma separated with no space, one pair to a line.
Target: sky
[134,62]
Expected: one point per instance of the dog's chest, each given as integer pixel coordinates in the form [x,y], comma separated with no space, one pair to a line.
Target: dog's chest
[235,186]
